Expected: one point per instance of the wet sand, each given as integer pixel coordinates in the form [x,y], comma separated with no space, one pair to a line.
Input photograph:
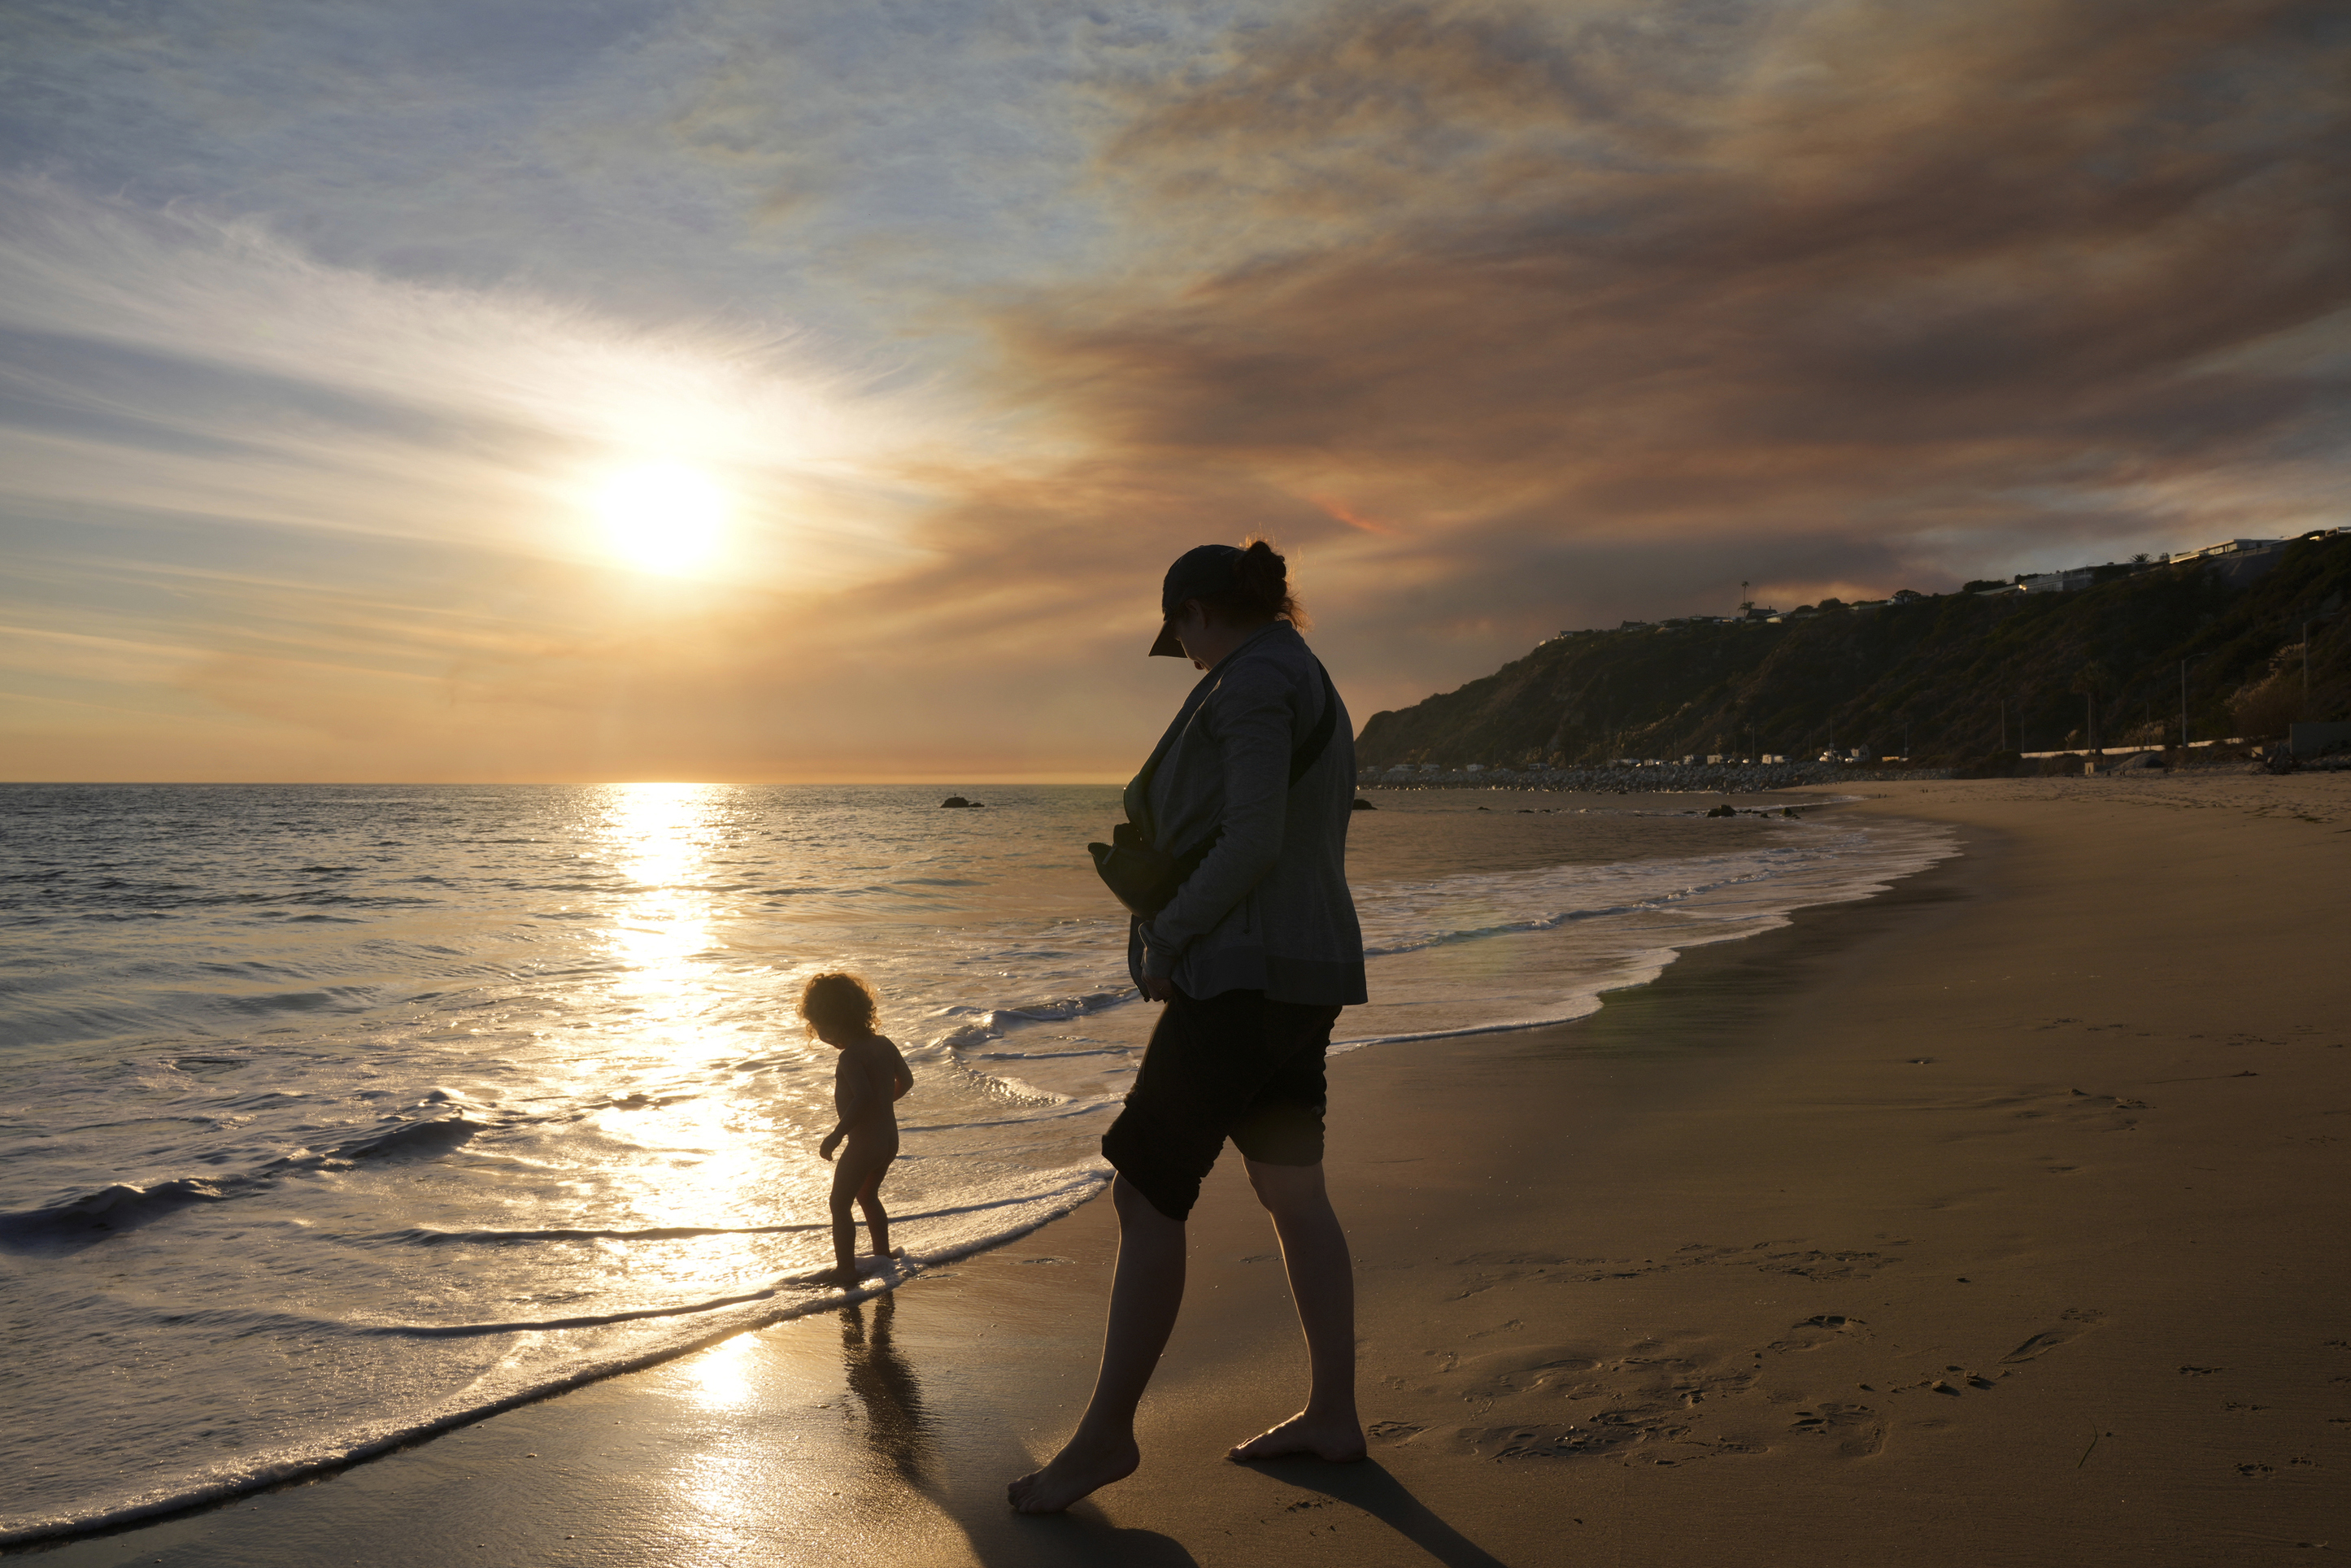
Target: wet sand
[1997,1218]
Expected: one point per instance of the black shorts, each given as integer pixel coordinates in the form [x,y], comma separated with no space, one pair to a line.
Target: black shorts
[1232,1066]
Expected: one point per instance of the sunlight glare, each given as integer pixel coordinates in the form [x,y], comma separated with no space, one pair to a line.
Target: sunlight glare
[661,517]
[657,833]
[721,1375]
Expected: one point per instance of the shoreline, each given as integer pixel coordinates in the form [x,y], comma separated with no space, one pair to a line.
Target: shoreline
[756,1309]
[1593,1193]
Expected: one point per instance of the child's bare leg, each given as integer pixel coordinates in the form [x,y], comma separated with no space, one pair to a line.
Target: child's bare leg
[846,1180]
[857,1180]
[877,1218]
[1323,1283]
[1144,1294]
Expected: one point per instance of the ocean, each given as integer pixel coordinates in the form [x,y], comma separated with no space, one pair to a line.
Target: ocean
[334,1115]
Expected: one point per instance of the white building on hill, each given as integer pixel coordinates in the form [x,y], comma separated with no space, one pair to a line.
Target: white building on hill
[2226,547]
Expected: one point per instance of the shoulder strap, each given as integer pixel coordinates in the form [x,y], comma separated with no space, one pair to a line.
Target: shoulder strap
[1309,750]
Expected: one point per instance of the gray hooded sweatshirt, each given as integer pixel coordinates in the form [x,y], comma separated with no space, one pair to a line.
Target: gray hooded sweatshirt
[1268,908]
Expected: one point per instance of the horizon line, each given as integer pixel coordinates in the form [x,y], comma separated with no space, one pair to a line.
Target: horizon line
[944,778]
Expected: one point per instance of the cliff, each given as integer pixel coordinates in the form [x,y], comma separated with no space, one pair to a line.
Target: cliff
[1924,676]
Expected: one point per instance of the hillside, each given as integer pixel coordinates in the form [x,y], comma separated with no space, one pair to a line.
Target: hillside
[1922,675]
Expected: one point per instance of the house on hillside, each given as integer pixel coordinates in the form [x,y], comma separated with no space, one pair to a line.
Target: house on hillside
[2226,547]
[2237,561]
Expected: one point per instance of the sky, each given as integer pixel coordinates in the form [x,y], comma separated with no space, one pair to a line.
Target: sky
[579,390]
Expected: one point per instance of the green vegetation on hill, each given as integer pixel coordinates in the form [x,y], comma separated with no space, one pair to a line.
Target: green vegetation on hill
[1940,667]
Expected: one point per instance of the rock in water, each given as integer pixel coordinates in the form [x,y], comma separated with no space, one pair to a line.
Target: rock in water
[1363,805]
[956,801]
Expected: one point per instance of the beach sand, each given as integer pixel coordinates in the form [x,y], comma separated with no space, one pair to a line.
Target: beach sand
[1997,1219]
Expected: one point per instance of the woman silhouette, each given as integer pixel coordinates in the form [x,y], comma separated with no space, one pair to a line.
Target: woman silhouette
[1253,957]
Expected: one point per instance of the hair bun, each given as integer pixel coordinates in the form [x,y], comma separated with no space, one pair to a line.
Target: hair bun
[1262,587]
[1261,573]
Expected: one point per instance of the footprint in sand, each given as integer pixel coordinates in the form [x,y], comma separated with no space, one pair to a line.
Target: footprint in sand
[1825,1266]
[1552,1441]
[1815,1332]
[1524,1368]
[1854,1429]
[2072,1322]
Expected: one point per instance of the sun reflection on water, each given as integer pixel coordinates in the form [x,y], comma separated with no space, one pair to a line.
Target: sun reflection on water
[659,840]
[707,1159]
[721,1375]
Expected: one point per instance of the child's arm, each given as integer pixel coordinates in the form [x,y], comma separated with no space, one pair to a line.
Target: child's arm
[884,1083]
[852,1087]
[866,1084]
[901,1077]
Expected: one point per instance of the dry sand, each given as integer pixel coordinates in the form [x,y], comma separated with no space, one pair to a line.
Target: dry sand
[1999,1219]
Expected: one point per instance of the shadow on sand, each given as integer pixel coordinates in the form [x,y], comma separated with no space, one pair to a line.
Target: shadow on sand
[1367,1485]
[895,1428]
[897,1431]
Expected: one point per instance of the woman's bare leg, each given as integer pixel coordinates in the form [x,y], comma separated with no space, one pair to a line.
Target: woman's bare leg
[1322,1284]
[1143,1297]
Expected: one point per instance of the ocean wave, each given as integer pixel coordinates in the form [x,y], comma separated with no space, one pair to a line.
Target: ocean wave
[703,1324]
[117,1206]
[1548,921]
[123,1206]
[1048,1055]
[1584,1007]
[429,1237]
[436,1136]
[1059,1108]
[1543,900]
[584,1320]
[992,1023]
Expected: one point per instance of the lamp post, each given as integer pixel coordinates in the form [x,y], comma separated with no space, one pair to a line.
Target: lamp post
[2183,703]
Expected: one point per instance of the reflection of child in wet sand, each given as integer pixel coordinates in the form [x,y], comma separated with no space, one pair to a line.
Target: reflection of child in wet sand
[869,1075]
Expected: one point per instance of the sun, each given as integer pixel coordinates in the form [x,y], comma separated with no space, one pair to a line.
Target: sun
[661,517]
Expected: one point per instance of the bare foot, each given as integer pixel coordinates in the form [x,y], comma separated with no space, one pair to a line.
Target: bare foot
[1074,1473]
[1339,1439]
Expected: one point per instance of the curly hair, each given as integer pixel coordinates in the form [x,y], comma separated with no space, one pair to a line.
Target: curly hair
[838,998]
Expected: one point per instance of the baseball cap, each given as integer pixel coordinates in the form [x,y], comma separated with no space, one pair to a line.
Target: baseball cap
[1200,573]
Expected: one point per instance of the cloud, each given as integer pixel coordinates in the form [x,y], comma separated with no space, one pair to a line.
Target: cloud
[354,508]
[1503,317]
[248,378]
[1793,293]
